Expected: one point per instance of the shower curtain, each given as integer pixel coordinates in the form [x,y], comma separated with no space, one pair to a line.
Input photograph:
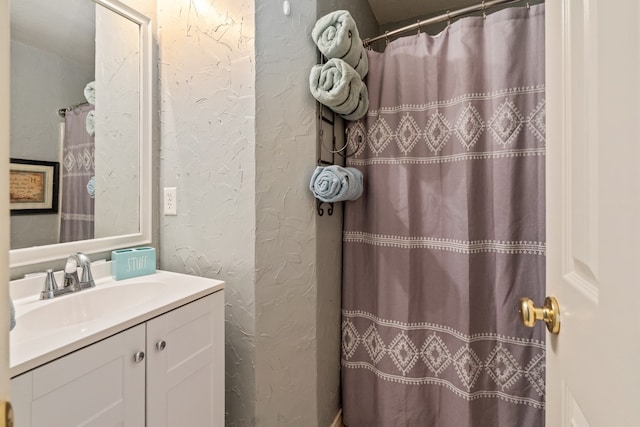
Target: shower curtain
[78,161]
[449,233]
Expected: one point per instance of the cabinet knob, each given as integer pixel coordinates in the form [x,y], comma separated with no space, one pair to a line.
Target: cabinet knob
[138,357]
[161,345]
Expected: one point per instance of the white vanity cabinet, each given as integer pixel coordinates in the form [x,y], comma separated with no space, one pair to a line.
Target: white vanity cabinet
[178,382]
[185,367]
[100,385]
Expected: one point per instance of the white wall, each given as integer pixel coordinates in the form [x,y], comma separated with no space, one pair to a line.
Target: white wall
[238,132]
[286,253]
[359,9]
[35,100]
[298,253]
[207,83]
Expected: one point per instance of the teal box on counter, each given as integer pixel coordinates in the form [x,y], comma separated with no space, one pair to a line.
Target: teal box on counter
[134,262]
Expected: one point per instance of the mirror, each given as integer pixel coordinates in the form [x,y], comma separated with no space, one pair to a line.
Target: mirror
[80,104]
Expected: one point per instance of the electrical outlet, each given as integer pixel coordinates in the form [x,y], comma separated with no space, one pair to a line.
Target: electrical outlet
[170,201]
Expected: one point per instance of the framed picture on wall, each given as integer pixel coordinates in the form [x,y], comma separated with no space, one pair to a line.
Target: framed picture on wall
[33,186]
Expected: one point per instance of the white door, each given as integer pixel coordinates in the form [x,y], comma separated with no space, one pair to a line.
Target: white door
[4,201]
[593,211]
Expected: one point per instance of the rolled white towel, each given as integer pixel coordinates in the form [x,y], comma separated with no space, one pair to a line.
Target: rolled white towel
[337,85]
[91,123]
[90,92]
[336,36]
[336,184]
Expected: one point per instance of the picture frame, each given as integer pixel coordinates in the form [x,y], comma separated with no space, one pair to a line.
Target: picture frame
[33,186]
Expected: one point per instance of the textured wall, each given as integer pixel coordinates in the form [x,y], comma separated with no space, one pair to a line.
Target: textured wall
[207,151]
[298,253]
[286,285]
[240,145]
[359,9]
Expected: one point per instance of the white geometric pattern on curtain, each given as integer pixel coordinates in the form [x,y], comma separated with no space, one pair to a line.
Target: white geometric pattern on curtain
[78,166]
[449,232]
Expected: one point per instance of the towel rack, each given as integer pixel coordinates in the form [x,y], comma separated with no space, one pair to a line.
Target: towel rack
[326,116]
[329,117]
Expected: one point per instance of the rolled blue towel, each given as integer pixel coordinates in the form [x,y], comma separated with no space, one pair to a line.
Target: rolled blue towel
[336,184]
[12,315]
[336,36]
[90,93]
[91,187]
[337,85]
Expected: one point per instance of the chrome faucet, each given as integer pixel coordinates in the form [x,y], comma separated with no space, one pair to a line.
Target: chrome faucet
[71,272]
[71,281]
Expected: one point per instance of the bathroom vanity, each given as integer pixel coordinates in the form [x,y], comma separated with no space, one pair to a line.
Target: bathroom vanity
[144,351]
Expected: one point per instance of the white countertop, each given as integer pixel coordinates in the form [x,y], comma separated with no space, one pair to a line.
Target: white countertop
[34,343]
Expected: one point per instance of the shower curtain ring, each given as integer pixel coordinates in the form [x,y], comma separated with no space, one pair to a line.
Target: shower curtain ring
[484,10]
[418,24]
[528,5]
[448,18]
[386,36]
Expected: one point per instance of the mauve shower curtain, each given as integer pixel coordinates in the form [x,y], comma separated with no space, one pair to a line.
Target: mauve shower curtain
[78,166]
[449,233]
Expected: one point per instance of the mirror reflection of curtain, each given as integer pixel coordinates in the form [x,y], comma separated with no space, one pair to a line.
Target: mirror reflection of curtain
[78,160]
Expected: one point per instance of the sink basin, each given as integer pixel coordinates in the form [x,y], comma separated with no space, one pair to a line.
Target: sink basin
[86,306]
[47,329]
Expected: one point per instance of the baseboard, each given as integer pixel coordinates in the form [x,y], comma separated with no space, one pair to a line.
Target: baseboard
[337,422]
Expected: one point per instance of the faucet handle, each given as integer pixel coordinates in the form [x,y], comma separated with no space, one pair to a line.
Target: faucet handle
[85,264]
[50,286]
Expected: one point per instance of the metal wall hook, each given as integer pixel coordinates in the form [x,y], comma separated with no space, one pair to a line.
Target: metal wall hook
[342,150]
[358,147]
[339,150]
[321,209]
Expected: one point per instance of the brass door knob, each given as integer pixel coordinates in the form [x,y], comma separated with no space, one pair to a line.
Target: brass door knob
[6,414]
[549,312]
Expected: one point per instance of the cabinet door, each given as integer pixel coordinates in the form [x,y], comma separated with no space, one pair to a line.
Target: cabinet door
[185,377]
[100,385]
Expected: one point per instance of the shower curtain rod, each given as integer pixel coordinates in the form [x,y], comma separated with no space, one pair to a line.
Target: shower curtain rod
[440,18]
[63,111]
